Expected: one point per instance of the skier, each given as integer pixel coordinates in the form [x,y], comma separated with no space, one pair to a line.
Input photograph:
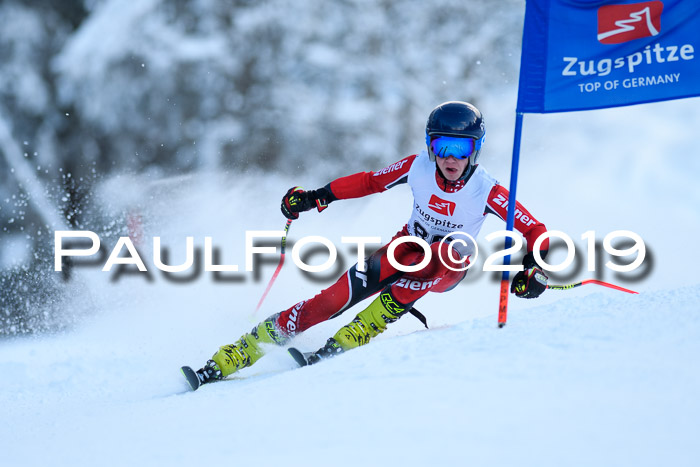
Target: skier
[451,193]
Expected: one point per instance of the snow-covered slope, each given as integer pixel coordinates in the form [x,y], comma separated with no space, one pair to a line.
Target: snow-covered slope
[600,380]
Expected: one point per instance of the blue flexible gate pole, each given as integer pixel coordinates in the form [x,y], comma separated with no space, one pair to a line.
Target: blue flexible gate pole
[510,220]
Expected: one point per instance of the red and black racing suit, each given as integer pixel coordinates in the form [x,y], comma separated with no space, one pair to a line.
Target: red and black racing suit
[354,286]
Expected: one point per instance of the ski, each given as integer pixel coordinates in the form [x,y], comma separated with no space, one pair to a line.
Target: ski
[302,358]
[191,377]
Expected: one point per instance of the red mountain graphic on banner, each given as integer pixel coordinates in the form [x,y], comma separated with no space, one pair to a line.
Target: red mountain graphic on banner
[623,23]
[439,205]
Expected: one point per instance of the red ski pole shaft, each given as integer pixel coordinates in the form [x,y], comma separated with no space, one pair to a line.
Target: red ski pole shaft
[591,281]
[279,266]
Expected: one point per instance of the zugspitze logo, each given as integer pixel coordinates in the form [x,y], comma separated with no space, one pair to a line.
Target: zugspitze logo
[623,23]
[439,205]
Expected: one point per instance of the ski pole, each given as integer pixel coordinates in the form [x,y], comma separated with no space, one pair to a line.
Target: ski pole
[590,281]
[279,266]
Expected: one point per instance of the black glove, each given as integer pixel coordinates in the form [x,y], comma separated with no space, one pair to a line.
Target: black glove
[531,282]
[297,200]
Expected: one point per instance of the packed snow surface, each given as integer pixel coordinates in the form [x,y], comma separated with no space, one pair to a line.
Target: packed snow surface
[607,379]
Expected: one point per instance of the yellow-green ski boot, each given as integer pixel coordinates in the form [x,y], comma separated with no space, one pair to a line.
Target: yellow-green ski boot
[249,348]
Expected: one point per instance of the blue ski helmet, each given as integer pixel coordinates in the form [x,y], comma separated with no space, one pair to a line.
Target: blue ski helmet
[457,119]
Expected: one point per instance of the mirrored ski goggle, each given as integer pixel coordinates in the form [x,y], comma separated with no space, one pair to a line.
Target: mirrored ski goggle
[460,148]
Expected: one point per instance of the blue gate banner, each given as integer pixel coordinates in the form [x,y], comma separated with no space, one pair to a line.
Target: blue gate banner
[590,54]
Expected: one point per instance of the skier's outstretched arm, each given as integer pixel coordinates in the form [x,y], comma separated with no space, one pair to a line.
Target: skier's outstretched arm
[361,184]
